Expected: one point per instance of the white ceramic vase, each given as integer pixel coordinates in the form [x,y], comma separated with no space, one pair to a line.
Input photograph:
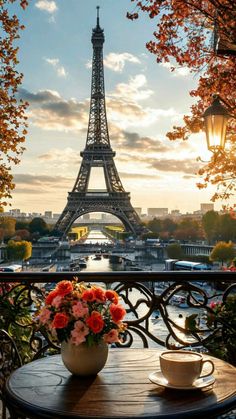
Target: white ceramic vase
[83,359]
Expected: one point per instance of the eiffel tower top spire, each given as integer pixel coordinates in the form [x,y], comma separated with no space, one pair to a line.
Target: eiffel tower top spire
[98,16]
[98,35]
[97,136]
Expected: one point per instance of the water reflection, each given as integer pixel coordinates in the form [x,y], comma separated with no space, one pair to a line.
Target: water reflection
[97,237]
[102,265]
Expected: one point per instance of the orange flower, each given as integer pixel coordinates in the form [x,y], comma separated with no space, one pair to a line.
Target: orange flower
[60,321]
[50,297]
[95,322]
[117,312]
[64,287]
[83,313]
[88,295]
[99,294]
[112,296]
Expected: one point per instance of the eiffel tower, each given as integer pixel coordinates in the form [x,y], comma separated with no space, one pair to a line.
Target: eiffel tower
[98,153]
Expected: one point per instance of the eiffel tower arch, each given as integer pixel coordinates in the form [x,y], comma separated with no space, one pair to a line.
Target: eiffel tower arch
[98,153]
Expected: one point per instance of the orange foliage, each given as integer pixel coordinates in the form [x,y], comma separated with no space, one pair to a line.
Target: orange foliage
[184,35]
[12,110]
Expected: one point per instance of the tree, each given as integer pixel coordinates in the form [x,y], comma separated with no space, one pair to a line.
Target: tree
[23,234]
[155,225]
[168,225]
[22,225]
[223,252]
[227,227]
[210,222]
[19,250]
[188,229]
[174,251]
[7,224]
[12,110]
[38,225]
[183,37]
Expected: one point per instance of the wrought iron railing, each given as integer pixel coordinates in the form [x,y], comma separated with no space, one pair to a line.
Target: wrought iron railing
[194,310]
[170,309]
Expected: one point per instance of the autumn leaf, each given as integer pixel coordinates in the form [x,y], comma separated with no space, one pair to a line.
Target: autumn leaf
[12,111]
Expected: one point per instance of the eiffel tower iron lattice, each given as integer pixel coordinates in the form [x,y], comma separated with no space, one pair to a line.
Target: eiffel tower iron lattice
[98,153]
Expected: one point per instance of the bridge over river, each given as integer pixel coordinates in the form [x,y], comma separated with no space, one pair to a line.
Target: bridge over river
[49,251]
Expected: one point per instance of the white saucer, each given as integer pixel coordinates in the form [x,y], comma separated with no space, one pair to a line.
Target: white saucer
[157,378]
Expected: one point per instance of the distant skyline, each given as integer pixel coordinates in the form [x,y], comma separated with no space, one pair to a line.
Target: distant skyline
[204,207]
[143,99]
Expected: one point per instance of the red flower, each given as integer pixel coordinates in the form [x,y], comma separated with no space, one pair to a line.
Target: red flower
[95,322]
[117,312]
[112,296]
[88,295]
[60,321]
[64,287]
[51,296]
[99,295]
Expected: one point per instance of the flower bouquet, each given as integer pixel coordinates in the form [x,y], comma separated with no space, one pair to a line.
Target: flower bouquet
[79,312]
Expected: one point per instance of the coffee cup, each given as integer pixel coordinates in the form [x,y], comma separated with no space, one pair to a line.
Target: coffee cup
[181,368]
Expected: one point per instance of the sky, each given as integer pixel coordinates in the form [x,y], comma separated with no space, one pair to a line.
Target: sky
[143,100]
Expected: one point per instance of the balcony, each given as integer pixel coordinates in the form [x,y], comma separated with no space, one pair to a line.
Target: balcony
[164,310]
[168,309]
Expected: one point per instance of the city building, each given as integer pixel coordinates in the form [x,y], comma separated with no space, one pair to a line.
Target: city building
[15,212]
[206,207]
[48,214]
[157,212]
[175,213]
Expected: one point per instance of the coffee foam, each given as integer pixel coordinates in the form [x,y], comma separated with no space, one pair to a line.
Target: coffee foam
[181,357]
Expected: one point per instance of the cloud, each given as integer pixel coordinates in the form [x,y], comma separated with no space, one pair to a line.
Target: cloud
[54,62]
[127,175]
[67,156]
[40,97]
[128,114]
[46,5]
[188,166]
[39,184]
[187,177]
[178,71]
[133,90]
[116,62]
[50,112]
[133,141]
[124,110]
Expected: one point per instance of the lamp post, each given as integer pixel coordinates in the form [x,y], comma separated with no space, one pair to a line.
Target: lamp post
[215,118]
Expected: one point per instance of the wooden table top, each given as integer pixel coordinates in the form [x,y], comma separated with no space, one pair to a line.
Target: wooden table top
[45,389]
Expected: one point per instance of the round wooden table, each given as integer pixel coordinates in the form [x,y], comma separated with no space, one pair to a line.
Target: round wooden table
[45,389]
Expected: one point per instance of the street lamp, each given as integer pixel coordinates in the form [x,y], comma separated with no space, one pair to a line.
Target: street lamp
[215,119]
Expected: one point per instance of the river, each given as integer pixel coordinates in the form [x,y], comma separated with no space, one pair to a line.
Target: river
[96,237]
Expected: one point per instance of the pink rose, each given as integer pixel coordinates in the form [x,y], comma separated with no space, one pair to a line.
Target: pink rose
[57,301]
[44,316]
[79,309]
[112,336]
[79,333]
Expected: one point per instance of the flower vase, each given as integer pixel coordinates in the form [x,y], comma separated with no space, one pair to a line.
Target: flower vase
[83,359]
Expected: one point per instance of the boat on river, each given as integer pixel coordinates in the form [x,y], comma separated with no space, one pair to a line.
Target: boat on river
[179,301]
[97,256]
[82,263]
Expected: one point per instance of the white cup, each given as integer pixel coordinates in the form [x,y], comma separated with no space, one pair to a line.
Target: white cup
[182,368]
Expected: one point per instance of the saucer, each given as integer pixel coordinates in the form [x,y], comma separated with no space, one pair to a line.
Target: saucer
[157,378]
